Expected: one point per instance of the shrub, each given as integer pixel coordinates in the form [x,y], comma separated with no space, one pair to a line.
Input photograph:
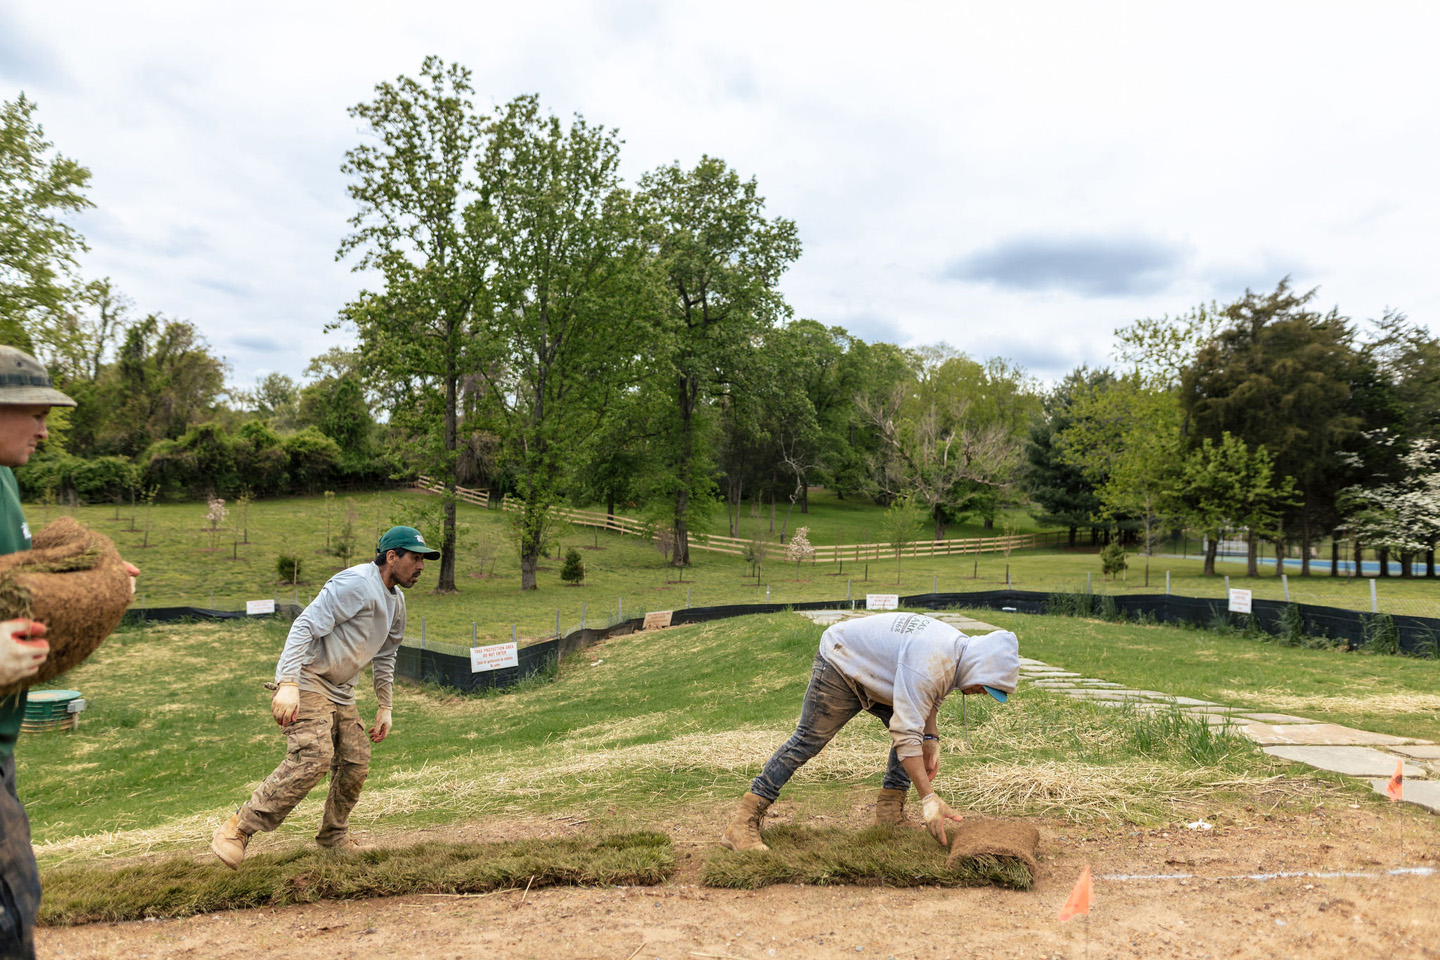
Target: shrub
[1112,559]
[289,568]
[574,569]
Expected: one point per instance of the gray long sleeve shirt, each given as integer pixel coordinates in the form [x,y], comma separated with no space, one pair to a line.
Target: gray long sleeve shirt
[912,662]
[356,620]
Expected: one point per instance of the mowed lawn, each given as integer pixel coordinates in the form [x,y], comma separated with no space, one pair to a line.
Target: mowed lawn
[178,733]
[185,564]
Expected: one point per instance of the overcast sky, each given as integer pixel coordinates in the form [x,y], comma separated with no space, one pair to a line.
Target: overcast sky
[1017,179]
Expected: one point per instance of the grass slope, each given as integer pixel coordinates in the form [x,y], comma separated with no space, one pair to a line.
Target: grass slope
[179,732]
[1397,695]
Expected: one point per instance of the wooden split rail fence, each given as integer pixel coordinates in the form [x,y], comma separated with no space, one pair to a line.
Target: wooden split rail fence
[737,546]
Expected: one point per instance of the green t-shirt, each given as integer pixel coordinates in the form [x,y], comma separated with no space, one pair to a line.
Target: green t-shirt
[14,537]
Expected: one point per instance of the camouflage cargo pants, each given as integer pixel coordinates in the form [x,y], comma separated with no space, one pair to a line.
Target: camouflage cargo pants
[325,737]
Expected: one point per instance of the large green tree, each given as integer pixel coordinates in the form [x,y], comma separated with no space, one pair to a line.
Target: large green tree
[419,228]
[567,301]
[721,262]
[1280,374]
[39,190]
[1058,488]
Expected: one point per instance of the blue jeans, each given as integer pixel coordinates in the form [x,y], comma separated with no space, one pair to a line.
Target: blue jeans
[829,704]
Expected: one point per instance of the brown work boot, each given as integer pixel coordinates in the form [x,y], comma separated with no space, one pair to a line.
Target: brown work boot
[743,833]
[890,808]
[228,842]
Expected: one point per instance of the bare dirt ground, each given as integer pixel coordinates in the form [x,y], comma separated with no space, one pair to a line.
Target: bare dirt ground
[1209,914]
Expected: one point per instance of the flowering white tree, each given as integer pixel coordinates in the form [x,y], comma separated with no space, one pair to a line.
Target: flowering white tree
[799,548]
[215,517]
[1403,516]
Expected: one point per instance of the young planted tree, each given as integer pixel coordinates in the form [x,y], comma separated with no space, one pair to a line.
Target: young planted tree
[721,263]
[900,522]
[419,226]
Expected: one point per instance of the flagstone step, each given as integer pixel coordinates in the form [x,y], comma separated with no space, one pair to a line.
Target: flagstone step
[1354,761]
[1424,793]
[1320,734]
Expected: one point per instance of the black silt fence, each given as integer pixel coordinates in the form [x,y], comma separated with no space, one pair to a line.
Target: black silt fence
[1417,635]
[137,615]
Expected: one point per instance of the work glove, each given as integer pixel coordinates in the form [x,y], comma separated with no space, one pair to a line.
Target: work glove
[285,705]
[382,725]
[21,650]
[937,811]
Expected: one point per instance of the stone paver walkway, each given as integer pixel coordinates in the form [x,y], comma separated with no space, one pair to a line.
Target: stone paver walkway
[1327,746]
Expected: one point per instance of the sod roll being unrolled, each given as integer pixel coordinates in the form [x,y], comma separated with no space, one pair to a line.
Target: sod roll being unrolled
[72,580]
[993,838]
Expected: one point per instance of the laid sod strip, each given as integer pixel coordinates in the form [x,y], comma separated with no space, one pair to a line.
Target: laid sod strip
[183,886]
[877,856]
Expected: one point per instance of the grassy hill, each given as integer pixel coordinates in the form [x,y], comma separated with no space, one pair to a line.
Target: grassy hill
[178,732]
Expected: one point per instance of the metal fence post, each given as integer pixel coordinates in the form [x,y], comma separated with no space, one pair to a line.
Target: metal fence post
[1167,583]
[687,598]
[1227,585]
[1374,603]
[513,637]
[767,592]
[582,616]
[557,624]
[1285,582]
[934,582]
[422,633]
[622,610]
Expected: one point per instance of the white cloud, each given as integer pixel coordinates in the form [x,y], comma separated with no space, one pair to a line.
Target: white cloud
[1206,148]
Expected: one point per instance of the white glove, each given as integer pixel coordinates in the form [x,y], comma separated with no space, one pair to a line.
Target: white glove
[382,725]
[21,650]
[285,705]
[937,811]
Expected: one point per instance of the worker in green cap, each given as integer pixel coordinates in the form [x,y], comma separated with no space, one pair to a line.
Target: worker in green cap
[357,620]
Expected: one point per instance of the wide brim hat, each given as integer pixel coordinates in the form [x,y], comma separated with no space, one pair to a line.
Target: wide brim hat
[25,382]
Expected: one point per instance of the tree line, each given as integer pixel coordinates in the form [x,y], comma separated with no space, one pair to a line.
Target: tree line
[541,328]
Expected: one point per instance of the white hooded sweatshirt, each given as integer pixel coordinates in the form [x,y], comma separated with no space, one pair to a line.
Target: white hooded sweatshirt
[912,662]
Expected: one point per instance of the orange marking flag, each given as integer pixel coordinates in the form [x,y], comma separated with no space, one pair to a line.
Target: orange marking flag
[1080,897]
[1395,786]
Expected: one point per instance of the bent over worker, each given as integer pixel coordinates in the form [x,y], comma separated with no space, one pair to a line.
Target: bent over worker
[899,667]
[357,619]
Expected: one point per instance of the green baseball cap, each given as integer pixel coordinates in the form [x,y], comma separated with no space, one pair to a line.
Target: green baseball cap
[24,380]
[406,538]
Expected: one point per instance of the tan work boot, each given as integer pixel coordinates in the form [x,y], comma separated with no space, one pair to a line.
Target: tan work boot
[228,842]
[890,808]
[346,844]
[743,833]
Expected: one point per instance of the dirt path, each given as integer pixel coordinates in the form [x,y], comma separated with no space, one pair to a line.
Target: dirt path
[1210,914]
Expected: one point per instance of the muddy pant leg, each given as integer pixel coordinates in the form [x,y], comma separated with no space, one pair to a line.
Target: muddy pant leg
[19,877]
[307,757]
[895,776]
[829,703]
[348,769]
